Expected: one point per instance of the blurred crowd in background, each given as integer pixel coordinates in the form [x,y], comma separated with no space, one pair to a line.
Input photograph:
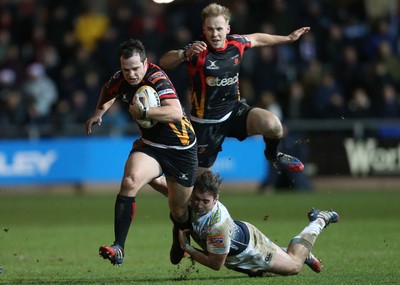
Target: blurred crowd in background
[55,55]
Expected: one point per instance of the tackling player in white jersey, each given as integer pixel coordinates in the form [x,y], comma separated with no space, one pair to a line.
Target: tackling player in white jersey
[239,245]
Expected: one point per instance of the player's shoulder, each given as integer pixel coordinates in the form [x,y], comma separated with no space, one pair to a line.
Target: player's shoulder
[115,80]
[156,75]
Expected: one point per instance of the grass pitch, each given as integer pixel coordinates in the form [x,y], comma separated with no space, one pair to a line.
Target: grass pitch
[54,238]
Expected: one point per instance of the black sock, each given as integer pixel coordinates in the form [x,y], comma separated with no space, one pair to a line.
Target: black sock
[271,148]
[124,211]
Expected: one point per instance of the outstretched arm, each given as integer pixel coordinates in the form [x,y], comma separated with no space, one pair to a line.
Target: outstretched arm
[103,105]
[263,39]
[211,260]
[175,57]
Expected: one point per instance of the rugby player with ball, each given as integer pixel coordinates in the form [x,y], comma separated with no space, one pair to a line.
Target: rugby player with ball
[167,144]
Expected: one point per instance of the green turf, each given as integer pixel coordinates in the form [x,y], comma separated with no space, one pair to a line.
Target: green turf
[53,239]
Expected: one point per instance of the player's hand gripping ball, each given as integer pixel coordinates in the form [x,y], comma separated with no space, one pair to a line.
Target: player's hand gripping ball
[145,98]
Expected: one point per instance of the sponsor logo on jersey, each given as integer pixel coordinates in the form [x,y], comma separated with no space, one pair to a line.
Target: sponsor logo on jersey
[217,82]
[216,240]
[156,76]
[212,65]
[166,91]
[123,97]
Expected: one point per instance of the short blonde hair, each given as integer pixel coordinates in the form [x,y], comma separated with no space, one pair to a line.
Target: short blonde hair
[215,10]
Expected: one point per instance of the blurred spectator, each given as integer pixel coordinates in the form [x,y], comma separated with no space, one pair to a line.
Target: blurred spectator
[265,74]
[116,117]
[297,106]
[377,77]
[109,42]
[267,101]
[390,61]
[308,48]
[242,22]
[92,86]
[328,98]
[69,81]
[41,92]
[348,70]
[378,9]
[12,105]
[90,27]
[73,111]
[359,105]
[150,27]
[380,33]
[389,102]
[5,42]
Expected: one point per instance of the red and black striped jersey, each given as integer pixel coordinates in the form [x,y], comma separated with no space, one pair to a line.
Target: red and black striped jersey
[214,78]
[163,135]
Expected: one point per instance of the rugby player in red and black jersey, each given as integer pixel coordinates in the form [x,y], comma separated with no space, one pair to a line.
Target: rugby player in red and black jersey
[169,147]
[217,111]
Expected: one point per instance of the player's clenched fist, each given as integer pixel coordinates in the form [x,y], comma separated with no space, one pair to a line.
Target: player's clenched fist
[136,109]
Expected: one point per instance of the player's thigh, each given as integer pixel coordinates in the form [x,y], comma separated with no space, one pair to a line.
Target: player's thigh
[283,263]
[263,122]
[178,195]
[141,168]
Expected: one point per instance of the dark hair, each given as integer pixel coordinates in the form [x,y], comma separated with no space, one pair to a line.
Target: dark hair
[132,47]
[208,182]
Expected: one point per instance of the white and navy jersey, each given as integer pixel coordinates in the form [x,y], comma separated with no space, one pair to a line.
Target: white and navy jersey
[218,233]
[246,246]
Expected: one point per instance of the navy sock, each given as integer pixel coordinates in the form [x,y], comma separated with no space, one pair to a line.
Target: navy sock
[124,211]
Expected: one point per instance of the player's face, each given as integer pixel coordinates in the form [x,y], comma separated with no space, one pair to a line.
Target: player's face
[133,69]
[215,30]
[202,203]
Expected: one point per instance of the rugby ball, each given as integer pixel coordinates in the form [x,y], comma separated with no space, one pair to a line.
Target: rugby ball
[150,99]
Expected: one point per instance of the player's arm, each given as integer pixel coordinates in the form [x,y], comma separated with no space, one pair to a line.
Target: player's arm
[263,39]
[170,111]
[211,260]
[175,57]
[103,105]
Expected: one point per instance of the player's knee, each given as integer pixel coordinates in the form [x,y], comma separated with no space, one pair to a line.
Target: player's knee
[295,268]
[129,185]
[179,214]
[272,127]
